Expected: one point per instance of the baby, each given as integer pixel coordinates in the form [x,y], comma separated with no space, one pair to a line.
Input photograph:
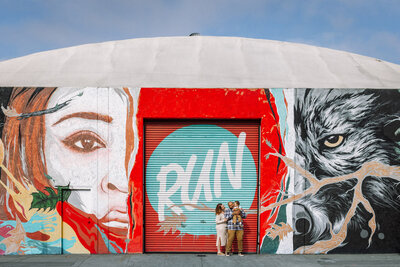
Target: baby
[237,218]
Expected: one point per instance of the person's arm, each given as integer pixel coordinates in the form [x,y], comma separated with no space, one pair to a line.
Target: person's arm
[243,213]
[219,219]
[228,214]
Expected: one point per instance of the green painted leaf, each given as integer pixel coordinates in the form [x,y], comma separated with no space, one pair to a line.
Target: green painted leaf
[44,201]
[39,200]
[52,193]
[66,192]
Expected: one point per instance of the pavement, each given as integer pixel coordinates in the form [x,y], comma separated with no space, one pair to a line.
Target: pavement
[186,260]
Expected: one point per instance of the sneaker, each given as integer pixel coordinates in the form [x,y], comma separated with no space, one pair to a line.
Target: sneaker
[228,254]
[240,254]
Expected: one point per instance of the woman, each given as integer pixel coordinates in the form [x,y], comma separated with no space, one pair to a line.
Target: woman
[83,139]
[221,227]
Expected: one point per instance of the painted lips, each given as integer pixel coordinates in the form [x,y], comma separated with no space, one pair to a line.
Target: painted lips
[116,219]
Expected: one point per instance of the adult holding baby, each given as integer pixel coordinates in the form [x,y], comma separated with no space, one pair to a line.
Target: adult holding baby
[235,228]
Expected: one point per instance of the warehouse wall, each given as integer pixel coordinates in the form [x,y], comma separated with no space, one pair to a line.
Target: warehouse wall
[343,170]
[73,179]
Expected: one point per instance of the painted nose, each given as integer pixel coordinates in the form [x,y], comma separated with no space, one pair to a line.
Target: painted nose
[302,220]
[117,181]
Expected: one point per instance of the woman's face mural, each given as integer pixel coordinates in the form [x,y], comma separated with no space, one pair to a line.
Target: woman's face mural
[87,146]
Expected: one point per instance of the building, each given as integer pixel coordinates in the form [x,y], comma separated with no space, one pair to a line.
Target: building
[128,146]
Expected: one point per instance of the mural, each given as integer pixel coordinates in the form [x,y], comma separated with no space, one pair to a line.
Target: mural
[65,169]
[346,173]
[82,174]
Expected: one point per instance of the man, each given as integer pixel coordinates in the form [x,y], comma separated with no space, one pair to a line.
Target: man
[234,229]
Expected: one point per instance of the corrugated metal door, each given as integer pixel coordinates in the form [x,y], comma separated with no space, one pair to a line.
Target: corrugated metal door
[190,168]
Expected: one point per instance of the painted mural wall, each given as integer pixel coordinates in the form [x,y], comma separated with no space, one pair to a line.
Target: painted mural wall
[73,178]
[66,156]
[344,171]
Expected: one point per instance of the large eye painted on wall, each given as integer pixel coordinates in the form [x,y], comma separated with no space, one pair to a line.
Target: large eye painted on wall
[84,142]
[332,141]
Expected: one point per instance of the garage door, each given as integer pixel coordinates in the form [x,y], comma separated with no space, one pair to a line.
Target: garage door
[190,168]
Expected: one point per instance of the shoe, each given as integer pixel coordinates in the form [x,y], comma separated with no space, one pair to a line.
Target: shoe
[228,254]
[240,254]
[220,254]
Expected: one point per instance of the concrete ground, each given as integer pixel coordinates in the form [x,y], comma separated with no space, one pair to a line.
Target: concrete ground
[185,260]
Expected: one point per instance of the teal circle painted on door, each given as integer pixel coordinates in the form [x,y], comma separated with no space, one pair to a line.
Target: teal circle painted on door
[182,176]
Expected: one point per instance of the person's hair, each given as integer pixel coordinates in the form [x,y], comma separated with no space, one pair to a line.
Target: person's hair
[237,202]
[218,209]
[24,141]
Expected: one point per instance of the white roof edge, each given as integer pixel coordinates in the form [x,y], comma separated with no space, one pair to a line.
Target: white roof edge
[199,62]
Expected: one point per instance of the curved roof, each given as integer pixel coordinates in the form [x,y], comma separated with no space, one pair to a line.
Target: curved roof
[199,61]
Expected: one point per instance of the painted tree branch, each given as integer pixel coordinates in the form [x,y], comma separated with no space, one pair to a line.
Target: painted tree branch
[171,223]
[373,168]
[281,230]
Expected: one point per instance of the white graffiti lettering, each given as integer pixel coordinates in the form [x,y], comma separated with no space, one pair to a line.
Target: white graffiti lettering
[203,183]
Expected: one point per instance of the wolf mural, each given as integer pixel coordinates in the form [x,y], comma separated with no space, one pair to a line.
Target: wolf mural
[337,131]
[347,171]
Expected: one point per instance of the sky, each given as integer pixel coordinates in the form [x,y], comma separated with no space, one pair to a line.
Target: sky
[366,27]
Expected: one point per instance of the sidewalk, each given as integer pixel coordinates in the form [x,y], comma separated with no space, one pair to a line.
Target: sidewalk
[185,260]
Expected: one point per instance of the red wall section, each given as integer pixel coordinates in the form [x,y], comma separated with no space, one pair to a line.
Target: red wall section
[171,103]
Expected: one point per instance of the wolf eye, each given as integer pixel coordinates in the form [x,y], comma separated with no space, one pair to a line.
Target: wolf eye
[333,141]
[84,142]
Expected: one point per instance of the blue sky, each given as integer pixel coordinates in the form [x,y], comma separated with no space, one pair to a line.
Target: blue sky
[366,27]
